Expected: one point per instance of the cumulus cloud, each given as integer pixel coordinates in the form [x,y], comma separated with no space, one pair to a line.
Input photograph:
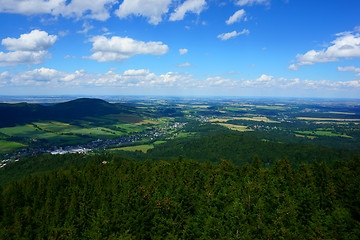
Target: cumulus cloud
[34,41]
[145,79]
[350,69]
[233,34]
[347,45]
[119,48]
[133,72]
[22,57]
[236,17]
[4,78]
[252,2]
[218,82]
[183,51]
[30,48]
[267,81]
[194,6]
[185,65]
[151,9]
[129,78]
[98,9]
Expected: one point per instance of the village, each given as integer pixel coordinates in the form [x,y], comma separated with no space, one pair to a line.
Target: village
[98,145]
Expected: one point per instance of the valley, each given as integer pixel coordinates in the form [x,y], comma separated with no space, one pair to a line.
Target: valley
[137,124]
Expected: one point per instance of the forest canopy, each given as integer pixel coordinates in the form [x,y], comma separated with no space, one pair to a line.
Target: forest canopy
[115,198]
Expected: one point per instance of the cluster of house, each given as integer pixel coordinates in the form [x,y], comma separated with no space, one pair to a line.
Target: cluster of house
[6,161]
[71,150]
[92,145]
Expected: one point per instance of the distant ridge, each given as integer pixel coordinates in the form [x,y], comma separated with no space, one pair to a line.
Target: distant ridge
[22,113]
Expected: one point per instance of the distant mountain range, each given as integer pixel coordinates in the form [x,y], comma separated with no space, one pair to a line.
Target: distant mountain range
[22,113]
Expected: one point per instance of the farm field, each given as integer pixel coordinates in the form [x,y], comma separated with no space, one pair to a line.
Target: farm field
[143,148]
[286,121]
[236,127]
[329,119]
[7,146]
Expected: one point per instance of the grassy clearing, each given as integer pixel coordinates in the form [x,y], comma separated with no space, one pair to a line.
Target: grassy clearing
[130,128]
[236,127]
[323,133]
[257,119]
[6,146]
[345,113]
[234,109]
[144,122]
[54,126]
[184,134]
[96,131]
[271,107]
[328,119]
[199,106]
[304,136]
[20,131]
[221,119]
[143,148]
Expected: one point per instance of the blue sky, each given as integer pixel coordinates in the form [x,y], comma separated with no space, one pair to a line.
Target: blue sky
[277,48]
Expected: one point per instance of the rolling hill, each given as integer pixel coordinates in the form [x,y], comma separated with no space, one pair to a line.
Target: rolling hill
[22,113]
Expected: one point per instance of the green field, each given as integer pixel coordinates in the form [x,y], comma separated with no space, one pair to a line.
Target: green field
[235,127]
[143,148]
[234,109]
[322,133]
[20,131]
[6,146]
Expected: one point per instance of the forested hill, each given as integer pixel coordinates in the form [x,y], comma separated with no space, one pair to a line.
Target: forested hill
[183,199]
[241,148]
[21,113]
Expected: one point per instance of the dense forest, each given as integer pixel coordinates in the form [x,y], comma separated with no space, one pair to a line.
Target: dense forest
[110,197]
[207,142]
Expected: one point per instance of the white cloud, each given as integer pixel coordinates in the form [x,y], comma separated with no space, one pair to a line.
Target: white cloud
[183,51]
[135,79]
[68,57]
[29,7]
[30,48]
[151,9]
[22,57]
[64,33]
[217,82]
[347,45]
[118,48]
[194,6]
[4,78]
[252,2]
[236,17]
[140,72]
[185,65]
[350,69]
[34,41]
[266,81]
[86,28]
[130,78]
[98,9]
[226,36]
